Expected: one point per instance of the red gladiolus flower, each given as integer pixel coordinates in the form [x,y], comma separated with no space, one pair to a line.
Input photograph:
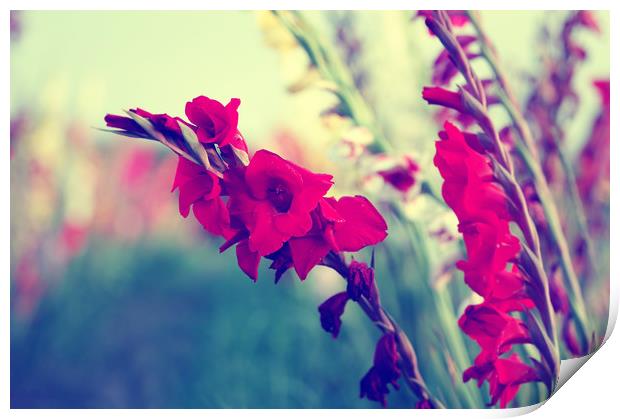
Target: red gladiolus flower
[494,330]
[360,280]
[201,189]
[468,178]
[401,177]
[483,210]
[216,123]
[505,376]
[274,198]
[347,224]
[331,311]
[510,374]
[274,208]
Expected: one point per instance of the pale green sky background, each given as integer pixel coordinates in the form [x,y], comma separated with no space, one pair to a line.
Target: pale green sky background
[89,63]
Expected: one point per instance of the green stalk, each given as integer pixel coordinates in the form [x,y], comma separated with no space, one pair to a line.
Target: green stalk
[552,217]
[331,68]
[582,224]
[446,314]
[449,324]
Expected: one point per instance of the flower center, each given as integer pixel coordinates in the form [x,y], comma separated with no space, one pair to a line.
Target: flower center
[279,196]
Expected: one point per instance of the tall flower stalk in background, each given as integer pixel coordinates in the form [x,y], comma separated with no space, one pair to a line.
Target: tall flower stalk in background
[549,109]
[481,187]
[593,162]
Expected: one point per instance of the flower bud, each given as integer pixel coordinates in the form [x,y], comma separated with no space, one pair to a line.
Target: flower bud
[360,280]
[331,311]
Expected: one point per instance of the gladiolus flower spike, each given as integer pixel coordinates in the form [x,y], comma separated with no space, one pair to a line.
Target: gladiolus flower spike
[269,207]
[481,188]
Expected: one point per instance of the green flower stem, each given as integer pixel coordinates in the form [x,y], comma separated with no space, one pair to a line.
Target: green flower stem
[331,68]
[582,224]
[552,217]
[445,312]
[386,324]
[449,324]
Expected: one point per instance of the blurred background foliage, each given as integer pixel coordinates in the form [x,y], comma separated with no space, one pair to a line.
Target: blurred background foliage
[116,301]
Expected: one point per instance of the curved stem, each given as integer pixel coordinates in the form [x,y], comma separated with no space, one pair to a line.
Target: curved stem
[386,324]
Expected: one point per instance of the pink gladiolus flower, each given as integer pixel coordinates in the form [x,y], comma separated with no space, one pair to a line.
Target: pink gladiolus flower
[347,224]
[401,177]
[274,198]
[215,122]
[483,210]
[201,189]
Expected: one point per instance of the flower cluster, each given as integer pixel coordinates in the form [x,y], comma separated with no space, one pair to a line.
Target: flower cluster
[272,208]
[269,207]
[483,210]
[482,188]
